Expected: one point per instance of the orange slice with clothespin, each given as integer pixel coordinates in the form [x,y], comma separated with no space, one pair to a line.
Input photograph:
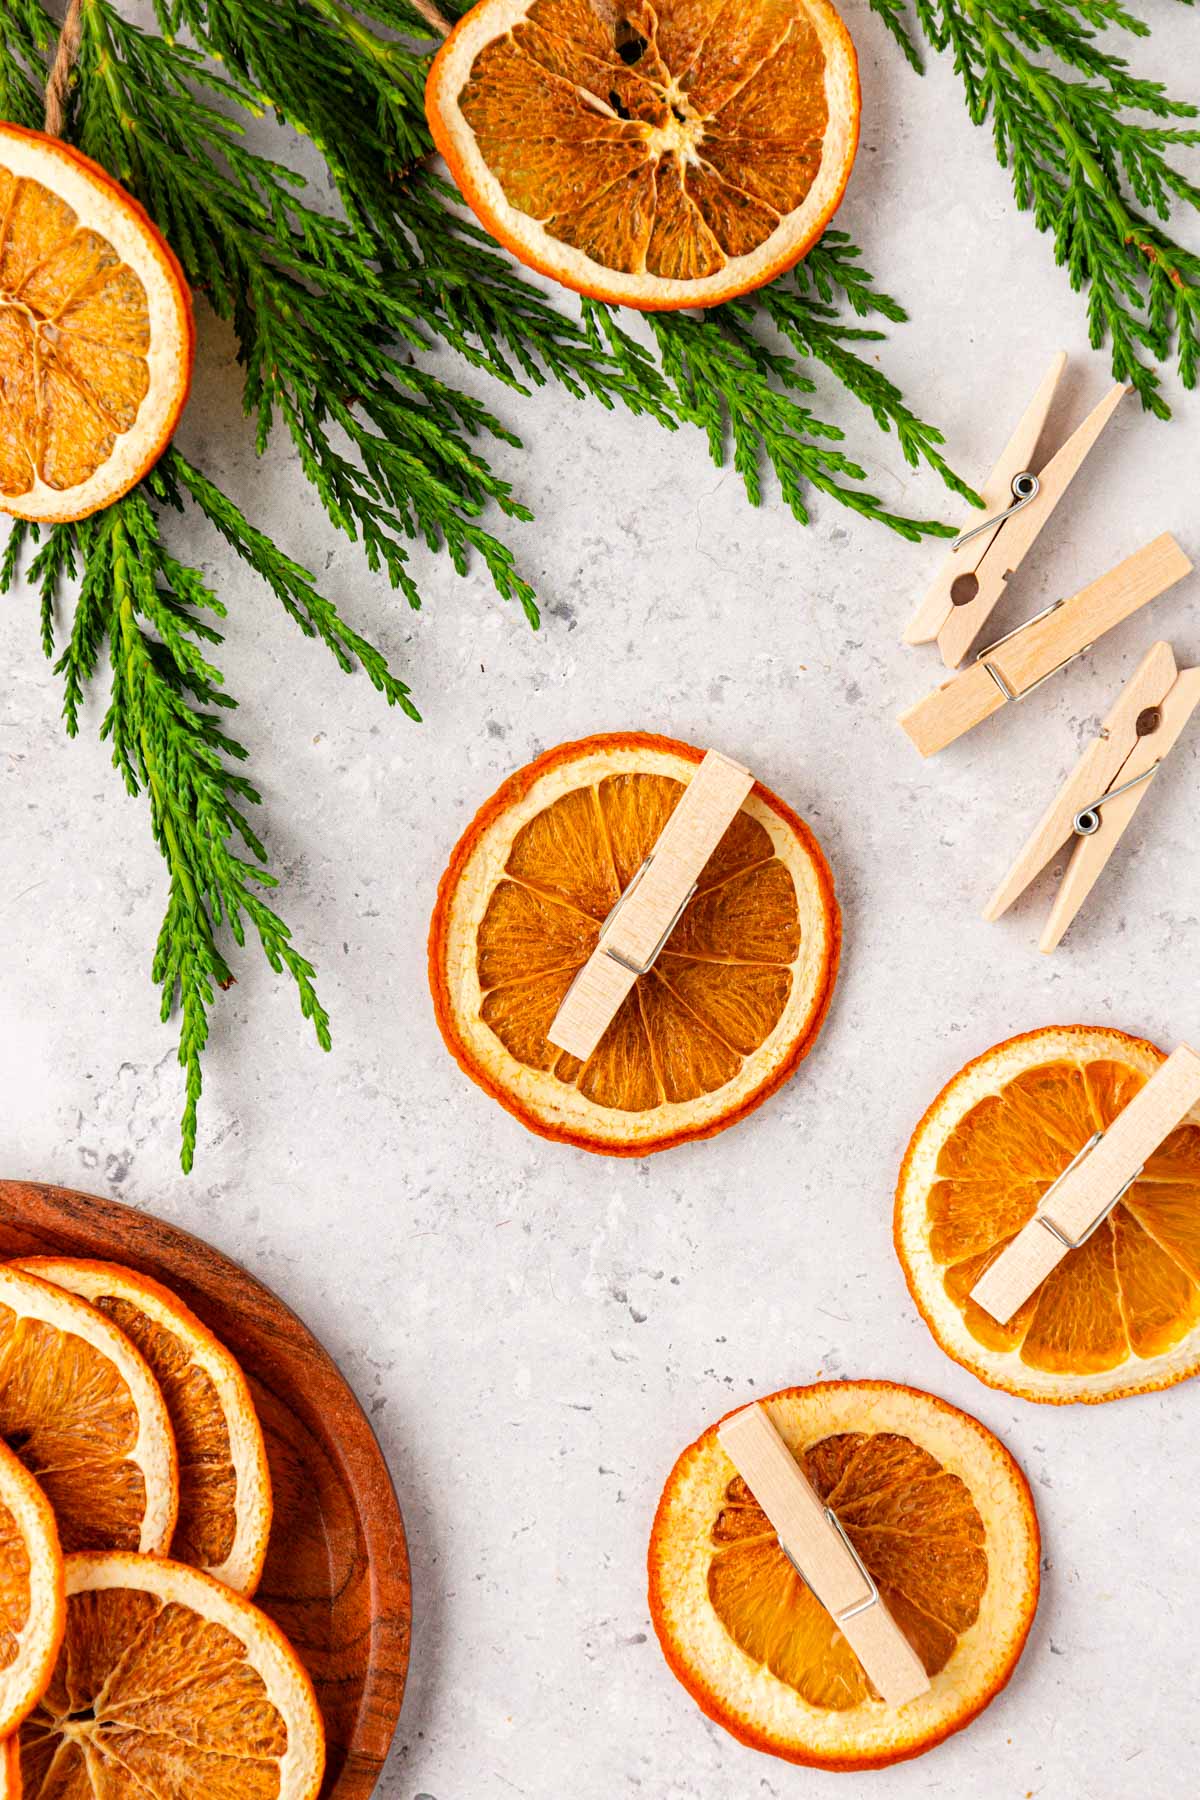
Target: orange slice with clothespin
[1120,1314]
[96,334]
[658,156]
[942,1523]
[722,1018]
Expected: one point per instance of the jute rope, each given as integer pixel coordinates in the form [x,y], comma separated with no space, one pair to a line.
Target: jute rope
[59,84]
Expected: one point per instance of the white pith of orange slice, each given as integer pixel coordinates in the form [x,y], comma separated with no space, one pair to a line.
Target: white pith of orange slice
[726,1014]
[662,156]
[96,333]
[224,1483]
[81,1410]
[1121,1315]
[943,1520]
[32,1598]
[170,1684]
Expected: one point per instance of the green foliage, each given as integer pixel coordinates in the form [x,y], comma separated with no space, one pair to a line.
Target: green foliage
[723,374]
[325,342]
[806,313]
[1088,144]
[490,312]
[334,312]
[154,617]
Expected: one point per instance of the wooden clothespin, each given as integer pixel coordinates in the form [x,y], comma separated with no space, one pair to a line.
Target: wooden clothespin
[1012,667]
[1019,502]
[651,906]
[1078,1203]
[1098,801]
[812,1538]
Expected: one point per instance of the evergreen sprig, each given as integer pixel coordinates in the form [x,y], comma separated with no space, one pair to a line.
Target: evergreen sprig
[726,377]
[1089,145]
[155,618]
[316,323]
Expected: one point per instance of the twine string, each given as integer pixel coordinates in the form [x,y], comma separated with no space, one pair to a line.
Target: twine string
[59,85]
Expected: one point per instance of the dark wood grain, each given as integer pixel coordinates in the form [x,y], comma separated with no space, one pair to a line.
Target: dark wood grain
[337,1576]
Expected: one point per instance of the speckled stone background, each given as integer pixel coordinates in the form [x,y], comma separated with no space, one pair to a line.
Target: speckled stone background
[535,1332]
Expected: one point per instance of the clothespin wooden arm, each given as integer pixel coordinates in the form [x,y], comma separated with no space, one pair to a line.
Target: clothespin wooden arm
[647,912]
[1115,811]
[1018,535]
[972,580]
[940,602]
[1095,773]
[1015,665]
[822,1555]
[1084,1195]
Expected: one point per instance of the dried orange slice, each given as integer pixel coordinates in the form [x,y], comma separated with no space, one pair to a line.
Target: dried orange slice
[942,1518]
[722,1019]
[170,1684]
[96,334]
[32,1602]
[657,156]
[1120,1315]
[81,1410]
[224,1483]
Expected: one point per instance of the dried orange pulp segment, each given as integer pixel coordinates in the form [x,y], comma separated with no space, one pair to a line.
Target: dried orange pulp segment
[96,334]
[722,1019]
[170,1684]
[941,1517]
[224,1483]
[80,1408]
[1121,1314]
[32,1600]
[656,156]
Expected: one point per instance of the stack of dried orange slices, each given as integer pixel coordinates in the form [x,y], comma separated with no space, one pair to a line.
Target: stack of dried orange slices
[728,1010]
[135,1508]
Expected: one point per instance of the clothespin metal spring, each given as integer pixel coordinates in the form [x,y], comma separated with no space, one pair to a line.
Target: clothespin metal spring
[870,1598]
[626,962]
[643,967]
[1056,1231]
[1009,692]
[1025,487]
[1086,822]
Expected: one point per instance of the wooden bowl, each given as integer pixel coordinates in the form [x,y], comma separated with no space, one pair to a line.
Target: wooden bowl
[337,1578]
